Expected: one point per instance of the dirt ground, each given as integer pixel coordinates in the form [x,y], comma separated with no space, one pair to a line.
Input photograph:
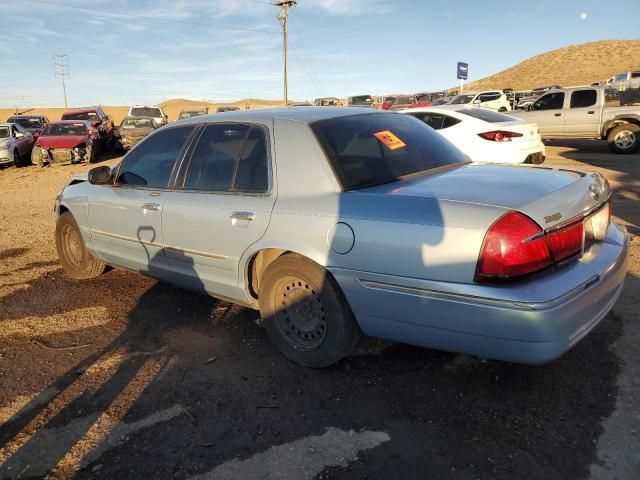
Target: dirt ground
[124,377]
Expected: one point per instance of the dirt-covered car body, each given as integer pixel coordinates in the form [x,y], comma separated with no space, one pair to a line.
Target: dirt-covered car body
[73,141]
[508,262]
[133,129]
[99,120]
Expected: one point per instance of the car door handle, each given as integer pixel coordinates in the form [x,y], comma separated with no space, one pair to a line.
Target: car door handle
[591,112]
[557,115]
[242,216]
[151,206]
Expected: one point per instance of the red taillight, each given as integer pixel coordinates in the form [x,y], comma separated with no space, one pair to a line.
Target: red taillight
[499,135]
[514,246]
[566,242]
[386,105]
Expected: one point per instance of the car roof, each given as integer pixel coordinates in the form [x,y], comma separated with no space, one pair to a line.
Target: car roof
[137,117]
[66,122]
[27,116]
[267,115]
[81,110]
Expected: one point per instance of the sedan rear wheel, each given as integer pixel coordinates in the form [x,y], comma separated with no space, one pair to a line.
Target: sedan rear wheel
[305,312]
[75,259]
[17,161]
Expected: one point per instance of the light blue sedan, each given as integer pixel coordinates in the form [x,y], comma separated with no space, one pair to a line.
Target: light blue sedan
[333,222]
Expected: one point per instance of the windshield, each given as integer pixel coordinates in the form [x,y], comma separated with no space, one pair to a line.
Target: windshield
[137,123]
[461,99]
[60,129]
[372,149]
[26,122]
[195,113]
[91,116]
[4,132]
[361,100]
[146,112]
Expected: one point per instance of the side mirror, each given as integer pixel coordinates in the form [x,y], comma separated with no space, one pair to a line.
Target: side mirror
[476,101]
[19,134]
[100,175]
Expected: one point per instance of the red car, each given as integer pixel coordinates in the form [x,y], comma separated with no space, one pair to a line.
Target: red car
[99,120]
[72,141]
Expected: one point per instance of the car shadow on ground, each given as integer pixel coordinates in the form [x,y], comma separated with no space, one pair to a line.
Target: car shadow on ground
[192,383]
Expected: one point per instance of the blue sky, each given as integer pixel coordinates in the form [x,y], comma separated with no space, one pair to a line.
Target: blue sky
[336,48]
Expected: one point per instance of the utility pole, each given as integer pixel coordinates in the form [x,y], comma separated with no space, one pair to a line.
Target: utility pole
[284,4]
[61,69]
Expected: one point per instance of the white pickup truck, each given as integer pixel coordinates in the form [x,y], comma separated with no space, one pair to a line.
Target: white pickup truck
[588,112]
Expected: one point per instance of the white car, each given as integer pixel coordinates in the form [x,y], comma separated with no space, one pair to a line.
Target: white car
[156,113]
[16,144]
[484,135]
[492,99]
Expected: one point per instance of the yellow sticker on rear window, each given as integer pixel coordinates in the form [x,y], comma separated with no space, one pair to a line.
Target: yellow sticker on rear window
[389,140]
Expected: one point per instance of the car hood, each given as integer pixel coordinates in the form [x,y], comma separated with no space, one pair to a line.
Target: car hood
[549,196]
[135,132]
[61,141]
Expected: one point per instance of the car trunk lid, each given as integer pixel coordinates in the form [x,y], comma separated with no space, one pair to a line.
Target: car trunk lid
[549,196]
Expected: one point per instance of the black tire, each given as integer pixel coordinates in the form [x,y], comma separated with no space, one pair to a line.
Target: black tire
[305,313]
[76,261]
[502,109]
[624,138]
[17,161]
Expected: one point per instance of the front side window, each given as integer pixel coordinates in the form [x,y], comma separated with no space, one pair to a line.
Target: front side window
[550,101]
[372,149]
[150,163]
[583,98]
[229,157]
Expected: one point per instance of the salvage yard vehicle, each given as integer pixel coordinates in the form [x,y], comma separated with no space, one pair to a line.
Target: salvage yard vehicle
[227,108]
[156,113]
[73,141]
[484,135]
[194,112]
[360,101]
[15,144]
[326,102]
[586,112]
[99,120]
[133,129]
[337,221]
[493,99]
[34,124]
[625,80]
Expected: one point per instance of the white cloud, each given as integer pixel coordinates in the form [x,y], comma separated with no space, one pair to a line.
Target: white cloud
[345,7]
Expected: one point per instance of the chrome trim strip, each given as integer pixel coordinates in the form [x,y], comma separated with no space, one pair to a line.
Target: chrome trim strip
[122,237]
[580,217]
[494,302]
[186,251]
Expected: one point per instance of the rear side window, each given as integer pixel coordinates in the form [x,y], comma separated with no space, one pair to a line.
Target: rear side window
[434,120]
[583,98]
[550,101]
[486,115]
[372,149]
[489,97]
[150,163]
[229,157]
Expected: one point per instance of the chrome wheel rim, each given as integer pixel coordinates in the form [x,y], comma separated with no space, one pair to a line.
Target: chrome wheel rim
[624,139]
[72,245]
[300,315]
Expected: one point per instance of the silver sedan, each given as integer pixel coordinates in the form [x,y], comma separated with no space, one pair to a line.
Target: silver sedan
[333,222]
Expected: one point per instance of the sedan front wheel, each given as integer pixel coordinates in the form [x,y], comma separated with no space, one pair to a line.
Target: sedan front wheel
[75,259]
[305,312]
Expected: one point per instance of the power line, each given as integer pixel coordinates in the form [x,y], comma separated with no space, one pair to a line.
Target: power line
[313,70]
[152,17]
[61,69]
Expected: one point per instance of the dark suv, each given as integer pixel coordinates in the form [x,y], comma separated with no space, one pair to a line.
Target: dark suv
[99,120]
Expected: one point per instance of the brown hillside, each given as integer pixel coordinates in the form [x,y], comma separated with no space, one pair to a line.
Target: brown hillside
[573,65]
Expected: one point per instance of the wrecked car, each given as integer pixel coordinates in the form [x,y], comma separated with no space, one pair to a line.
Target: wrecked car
[34,124]
[134,129]
[196,112]
[99,120]
[72,141]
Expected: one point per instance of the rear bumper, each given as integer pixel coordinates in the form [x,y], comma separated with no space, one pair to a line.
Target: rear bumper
[533,322]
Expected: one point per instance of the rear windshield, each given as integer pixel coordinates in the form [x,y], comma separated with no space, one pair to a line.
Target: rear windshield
[189,114]
[461,99]
[91,116]
[486,115]
[146,112]
[373,149]
[137,123]
[59,129]
[361,100]
[4,132]
[26,122]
